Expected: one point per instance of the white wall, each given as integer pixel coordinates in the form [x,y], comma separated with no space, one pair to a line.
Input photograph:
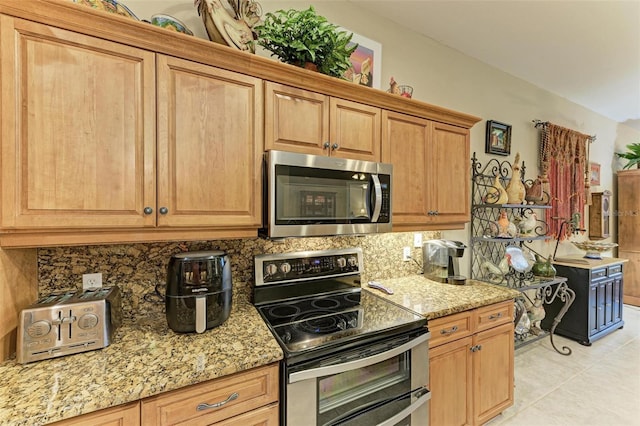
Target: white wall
[445,77]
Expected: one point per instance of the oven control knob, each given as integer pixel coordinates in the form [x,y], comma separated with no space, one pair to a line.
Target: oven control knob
[342,262]
[271,269]
[353,261]
[285,267]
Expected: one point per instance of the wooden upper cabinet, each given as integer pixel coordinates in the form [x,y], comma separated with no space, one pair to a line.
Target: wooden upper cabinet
[209,146]
[307,122]
[78,133]
[449,170]
[430,172]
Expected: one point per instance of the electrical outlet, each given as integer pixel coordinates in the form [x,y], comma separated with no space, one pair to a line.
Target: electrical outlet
[91,281]
[406,253]
[417,240]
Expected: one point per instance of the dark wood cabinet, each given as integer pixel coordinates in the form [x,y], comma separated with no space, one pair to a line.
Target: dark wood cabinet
[597,308]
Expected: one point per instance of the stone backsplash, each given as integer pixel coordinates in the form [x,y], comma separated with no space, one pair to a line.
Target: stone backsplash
[139,268]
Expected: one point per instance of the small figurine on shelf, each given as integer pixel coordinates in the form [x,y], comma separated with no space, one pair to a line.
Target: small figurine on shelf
[495,273]
[496,193]
[503,227]
[400,89]
[515,189]
[536,313]
[526,225]
[533,192]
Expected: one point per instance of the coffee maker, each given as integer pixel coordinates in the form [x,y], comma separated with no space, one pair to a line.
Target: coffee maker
[199,290]
[440,261]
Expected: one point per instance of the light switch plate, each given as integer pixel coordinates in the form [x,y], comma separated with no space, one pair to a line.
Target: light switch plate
[417,240]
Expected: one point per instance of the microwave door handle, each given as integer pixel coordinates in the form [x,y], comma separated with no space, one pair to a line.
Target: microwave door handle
[377,200]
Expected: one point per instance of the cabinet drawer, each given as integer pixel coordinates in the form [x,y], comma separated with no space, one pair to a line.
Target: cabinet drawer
[615,269]
[493,315]
[449,328]
[254,388]
[596,274]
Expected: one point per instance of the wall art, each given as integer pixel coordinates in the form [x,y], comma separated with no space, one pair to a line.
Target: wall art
[366,61]
[498,139]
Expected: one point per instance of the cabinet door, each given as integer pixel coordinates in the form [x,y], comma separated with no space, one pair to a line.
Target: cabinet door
[128,415]
[450,382]
[295,120]
[628,211]
[449,183]
[355,130]
[493,372]
[593,309]
[78,139]
[405,144]
[631,289]
[608,303]
[209,146]
[617,298]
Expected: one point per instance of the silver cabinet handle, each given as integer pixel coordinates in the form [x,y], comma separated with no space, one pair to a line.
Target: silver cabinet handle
[163,210]
[495,316]
[335,146]
[205,406]
[148,210]
[449,331]
[325,145]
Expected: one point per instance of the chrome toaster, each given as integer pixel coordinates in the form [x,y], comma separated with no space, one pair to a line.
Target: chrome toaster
[68,323]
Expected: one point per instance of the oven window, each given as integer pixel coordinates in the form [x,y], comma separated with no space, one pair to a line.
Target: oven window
[365,391]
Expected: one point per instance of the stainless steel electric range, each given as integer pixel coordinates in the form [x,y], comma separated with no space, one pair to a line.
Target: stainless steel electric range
[350,357]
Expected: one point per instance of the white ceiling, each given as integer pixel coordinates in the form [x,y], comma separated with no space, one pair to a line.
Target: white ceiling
[587,51]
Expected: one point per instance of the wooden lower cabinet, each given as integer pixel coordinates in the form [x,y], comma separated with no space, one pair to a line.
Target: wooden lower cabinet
[471,368]
[248,398]
[122,415]
[217,400]
[631,292]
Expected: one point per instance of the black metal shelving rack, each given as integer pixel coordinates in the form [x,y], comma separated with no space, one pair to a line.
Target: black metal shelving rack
[484,247]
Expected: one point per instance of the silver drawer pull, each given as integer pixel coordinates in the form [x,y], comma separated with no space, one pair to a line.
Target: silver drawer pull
[495,316]
[205,406]
[449,331]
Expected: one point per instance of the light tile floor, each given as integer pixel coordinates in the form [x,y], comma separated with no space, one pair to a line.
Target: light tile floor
[595,385]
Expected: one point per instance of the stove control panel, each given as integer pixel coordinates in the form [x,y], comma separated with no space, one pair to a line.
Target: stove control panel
[310,264]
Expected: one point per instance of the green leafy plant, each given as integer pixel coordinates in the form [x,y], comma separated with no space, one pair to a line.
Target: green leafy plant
[633,155]
[301,37]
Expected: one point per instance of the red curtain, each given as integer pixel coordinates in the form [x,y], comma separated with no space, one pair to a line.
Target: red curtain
[564,161]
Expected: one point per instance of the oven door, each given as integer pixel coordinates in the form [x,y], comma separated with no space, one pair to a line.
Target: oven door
[379,384]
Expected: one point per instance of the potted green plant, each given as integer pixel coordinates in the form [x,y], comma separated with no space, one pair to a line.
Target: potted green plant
[306,39]
[633,155]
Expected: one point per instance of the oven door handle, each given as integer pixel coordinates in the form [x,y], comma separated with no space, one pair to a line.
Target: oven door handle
[329,370]
[422,393]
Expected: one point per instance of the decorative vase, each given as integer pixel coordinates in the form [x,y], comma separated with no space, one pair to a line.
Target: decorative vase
[543,268]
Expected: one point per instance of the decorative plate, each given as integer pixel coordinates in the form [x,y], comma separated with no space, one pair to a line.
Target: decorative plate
[111,6]
[593,248]
[170,23]
[518,260]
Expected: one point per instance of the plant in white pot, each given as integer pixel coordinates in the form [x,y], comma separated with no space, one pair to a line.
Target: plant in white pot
[306,39]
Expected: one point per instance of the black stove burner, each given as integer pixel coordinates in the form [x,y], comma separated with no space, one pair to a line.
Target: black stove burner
[325,303]
[284,310]
[323,322]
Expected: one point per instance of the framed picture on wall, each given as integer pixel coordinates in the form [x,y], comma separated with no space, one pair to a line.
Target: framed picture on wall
[498,140]
[594,173]
[366,62]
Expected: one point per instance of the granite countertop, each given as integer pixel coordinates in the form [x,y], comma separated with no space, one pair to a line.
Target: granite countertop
[434,300]
[146,358]
[585,263]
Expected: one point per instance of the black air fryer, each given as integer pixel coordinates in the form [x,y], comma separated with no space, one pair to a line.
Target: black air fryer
[199,290]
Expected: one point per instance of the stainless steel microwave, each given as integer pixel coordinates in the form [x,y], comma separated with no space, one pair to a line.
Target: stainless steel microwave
[313,195]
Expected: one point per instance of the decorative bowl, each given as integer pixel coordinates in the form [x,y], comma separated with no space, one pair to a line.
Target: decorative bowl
[594,249]
[111,6]
[170,23]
